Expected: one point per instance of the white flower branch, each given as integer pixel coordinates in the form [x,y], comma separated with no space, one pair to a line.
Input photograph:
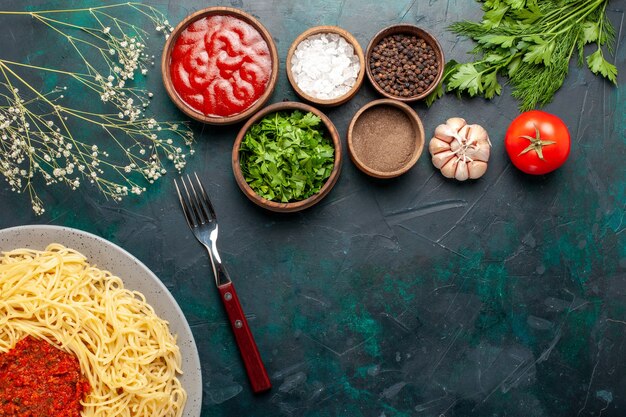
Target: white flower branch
[39,137]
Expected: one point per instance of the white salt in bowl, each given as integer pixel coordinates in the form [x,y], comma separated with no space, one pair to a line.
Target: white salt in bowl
[357,51]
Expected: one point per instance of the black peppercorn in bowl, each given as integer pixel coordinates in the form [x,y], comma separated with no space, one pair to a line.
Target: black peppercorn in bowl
[404,62]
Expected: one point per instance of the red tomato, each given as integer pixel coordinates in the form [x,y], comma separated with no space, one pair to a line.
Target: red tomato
[537,142]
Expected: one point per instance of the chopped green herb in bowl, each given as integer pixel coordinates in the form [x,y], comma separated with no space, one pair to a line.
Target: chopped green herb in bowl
[286,156]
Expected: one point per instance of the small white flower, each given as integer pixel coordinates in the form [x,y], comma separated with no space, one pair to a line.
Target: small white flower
[106,30]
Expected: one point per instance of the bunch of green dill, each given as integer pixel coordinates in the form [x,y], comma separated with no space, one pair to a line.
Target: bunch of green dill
[530,42]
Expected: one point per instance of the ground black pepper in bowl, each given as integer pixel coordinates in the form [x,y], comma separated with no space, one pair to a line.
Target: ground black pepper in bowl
[404,62]
[385,138]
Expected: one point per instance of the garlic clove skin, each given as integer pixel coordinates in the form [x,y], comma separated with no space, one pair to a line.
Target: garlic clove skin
[449,169]
[437,145]
[476,169]
[479,153]
[464,132]
[455,145]
[445,133]
[461,172]
[477,134]
[456,123]
[441,158]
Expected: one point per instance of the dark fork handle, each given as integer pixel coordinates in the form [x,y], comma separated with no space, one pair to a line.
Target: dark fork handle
[245,341]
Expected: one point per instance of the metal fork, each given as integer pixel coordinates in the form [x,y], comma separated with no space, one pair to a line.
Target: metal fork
[202,221]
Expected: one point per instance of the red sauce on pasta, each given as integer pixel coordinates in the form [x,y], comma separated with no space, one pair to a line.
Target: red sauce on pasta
[220,65]
[37,379]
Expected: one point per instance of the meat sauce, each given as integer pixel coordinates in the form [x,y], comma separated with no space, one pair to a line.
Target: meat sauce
[37,379]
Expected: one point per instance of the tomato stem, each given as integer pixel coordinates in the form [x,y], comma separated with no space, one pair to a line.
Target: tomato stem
[536,144]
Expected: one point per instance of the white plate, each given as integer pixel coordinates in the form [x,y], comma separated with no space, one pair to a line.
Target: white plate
[136,276]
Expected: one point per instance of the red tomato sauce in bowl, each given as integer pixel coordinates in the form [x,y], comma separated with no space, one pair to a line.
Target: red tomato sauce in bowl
[220,65]
[37,379]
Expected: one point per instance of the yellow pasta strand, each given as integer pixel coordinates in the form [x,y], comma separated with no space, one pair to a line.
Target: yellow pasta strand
[125,350]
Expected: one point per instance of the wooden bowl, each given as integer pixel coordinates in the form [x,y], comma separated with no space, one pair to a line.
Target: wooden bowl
[405,30]
[416,126]
[296,205]
[357,49]
[167,79]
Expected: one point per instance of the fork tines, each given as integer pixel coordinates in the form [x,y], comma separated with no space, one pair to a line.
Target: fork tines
[196,205]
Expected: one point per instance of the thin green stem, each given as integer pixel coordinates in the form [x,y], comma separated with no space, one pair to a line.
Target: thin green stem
[71,74]
[69,37]
[118,22]
[49,19]
[85,9]
[586,11]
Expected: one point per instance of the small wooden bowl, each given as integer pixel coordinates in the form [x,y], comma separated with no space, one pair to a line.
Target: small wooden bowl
[416,125]
[357,49]
[167,79]
[296,205]
[405,30]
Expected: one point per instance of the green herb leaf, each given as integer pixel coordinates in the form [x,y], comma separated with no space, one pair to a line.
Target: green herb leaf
[597,64]
[493,17]
[466,78]
[528,15]
[591,32]
[286,157]
[516,4]
[495,58]
[513,66]
[496,40]
[540,52]
[491,85]
[438,92]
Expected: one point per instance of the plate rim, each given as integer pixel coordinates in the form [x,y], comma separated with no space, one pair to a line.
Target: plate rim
[194,361]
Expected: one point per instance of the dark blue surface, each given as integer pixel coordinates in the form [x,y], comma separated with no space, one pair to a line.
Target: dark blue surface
[417,296]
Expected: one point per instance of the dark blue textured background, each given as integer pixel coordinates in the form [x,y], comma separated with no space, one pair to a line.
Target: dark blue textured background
[417,296]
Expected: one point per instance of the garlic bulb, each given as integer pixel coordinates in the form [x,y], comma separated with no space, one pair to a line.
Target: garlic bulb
[460,150]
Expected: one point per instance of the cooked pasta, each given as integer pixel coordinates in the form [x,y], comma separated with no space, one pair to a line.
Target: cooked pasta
[125,350]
